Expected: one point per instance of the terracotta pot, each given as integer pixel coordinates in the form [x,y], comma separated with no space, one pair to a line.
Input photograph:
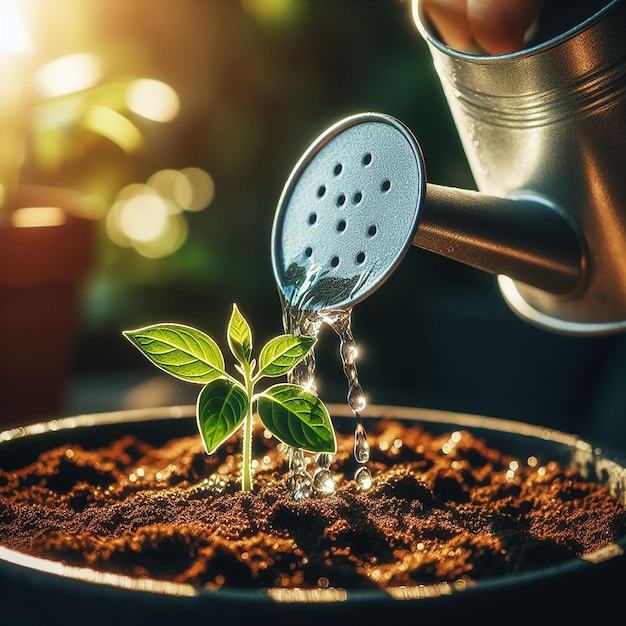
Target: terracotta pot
[35,587]
[42,269]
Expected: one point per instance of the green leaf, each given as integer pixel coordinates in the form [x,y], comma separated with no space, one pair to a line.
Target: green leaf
[179,350]
[240,337]
[297,417]
[281,354]
[221,409]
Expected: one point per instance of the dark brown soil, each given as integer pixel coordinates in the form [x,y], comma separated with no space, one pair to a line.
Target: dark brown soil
[439,511]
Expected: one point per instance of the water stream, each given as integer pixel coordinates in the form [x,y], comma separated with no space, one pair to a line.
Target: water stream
[321,482]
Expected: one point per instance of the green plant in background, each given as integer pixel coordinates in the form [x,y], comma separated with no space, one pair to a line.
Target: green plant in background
[292,414]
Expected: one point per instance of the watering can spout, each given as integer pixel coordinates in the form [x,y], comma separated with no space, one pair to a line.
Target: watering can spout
[526,239]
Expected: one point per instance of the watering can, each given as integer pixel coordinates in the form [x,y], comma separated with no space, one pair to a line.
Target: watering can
[544,132]
[547,124]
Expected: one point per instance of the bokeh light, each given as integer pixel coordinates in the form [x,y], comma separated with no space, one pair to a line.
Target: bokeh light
[164,182]
[274,12]
[201,186]
[143,217]
[31,217]
[149,217]
[191,189]
[153,100]
[68,74]
[114,126]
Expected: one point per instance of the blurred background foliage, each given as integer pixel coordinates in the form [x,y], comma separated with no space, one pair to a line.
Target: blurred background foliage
[256,81]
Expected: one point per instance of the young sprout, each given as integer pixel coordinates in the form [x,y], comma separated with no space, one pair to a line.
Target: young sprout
[295,416]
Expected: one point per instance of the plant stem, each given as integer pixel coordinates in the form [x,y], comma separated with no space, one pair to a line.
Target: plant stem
[246,443]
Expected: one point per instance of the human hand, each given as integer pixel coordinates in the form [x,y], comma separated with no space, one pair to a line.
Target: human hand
[497,26]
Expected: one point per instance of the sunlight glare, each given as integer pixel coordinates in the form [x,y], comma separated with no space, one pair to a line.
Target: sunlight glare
[13,36]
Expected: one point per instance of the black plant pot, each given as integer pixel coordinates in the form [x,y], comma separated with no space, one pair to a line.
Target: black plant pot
[34,589]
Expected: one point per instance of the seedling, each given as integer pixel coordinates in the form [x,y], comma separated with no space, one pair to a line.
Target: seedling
[294,415]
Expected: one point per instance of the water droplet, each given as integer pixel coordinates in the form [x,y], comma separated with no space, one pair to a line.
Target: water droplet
[324,459]
[363,478]
[218,483]
[361,447]
[341,322]
[323,481]
[349,352]
[297,462]
[300,485]
[356,397]
[215,483]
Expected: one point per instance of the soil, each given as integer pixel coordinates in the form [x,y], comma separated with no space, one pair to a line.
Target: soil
[441,509]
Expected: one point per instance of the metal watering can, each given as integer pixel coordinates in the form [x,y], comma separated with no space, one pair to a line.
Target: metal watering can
[549,122]
[544,131]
